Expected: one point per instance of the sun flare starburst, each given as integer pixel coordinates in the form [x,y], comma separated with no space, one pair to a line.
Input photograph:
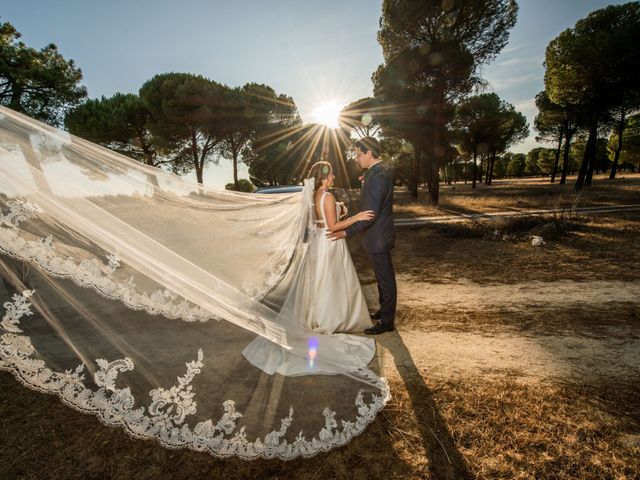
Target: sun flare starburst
[327,114]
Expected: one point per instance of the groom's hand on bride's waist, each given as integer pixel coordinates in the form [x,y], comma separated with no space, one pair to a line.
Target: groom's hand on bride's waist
[339,235]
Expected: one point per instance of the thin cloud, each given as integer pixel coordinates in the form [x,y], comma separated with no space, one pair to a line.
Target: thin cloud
[507,82]
[510,62]
[526,106]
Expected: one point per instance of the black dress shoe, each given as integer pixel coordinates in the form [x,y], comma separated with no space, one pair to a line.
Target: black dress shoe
[377,315]
[379,328]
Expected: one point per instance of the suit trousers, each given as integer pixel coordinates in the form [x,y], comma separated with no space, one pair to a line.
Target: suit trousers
[387,289]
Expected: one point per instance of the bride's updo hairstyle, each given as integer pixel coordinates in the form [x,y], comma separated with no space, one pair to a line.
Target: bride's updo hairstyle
[319,171]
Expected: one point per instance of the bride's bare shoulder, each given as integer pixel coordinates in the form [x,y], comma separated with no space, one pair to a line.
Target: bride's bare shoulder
[329,200]
[329,197]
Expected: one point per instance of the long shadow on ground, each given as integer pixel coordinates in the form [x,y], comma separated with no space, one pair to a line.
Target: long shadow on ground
[445,460]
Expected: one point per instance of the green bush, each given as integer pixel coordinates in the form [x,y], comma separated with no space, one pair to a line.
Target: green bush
[244,185]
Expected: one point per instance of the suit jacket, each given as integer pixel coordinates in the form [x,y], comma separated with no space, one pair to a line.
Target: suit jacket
[378,235]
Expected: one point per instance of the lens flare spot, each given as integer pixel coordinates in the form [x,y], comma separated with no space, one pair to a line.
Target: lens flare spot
[312,353]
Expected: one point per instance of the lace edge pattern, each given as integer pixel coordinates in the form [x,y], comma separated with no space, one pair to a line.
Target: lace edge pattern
[89,273]
[164,418]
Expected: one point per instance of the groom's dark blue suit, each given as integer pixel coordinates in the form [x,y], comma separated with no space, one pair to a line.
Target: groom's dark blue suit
[378,235]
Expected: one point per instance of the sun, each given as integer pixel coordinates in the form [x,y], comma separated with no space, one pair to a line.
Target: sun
[327,114]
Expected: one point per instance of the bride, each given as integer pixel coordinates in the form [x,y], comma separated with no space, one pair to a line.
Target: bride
[338,304]
[326,296]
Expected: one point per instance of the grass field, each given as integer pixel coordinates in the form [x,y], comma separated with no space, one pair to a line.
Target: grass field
[509,361]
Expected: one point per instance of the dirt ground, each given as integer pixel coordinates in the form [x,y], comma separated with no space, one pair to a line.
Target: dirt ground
[531,355]
[509,361]
[540,324]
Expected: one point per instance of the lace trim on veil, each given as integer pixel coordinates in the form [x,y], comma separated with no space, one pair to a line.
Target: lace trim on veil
[164,419]
[91,273]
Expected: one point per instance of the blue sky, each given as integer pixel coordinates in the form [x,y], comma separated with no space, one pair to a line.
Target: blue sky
[312,51]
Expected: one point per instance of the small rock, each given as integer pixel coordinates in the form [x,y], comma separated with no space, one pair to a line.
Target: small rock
[537,241]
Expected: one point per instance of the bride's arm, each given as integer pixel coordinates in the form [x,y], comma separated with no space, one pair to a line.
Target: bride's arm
[332,222]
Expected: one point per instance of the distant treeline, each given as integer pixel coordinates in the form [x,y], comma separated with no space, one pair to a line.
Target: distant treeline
[428,109]
[436,127]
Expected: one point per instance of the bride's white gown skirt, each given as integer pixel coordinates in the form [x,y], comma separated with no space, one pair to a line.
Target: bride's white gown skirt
[326,300]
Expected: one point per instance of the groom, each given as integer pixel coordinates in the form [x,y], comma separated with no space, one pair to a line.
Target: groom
[378,235]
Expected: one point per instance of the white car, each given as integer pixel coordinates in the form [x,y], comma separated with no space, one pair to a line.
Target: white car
[342,197]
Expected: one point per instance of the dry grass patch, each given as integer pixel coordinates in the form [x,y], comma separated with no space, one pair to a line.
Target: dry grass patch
[484,428]
[597,248]
[507,429]
[590,321]
[518,195]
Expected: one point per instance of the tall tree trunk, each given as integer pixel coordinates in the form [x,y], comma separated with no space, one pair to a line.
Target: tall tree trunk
[588,158]
[486,172]
[149,160]
[565,156]
[16,96]
[616,158]
[489,179]
[487,176]
[437,149]
[591,148]
[199,170]
[493,164]
[415,177]
[434,190]
[234,154]
[555,164]
[475,168]
[198,162]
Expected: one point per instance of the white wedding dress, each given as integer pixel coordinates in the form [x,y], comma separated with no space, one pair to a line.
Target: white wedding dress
[326,298]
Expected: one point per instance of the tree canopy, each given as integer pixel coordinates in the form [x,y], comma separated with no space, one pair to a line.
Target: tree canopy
[187,116]
[593,68]
[256,115]
[39,83]
[486,124]
[361,117]
[432,50]
[120,123]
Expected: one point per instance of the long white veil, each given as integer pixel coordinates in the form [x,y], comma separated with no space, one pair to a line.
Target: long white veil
[130,293]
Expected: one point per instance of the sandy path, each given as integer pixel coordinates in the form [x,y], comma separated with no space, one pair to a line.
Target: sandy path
[462,354]
[514,212]
[470,295]
[533,357]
